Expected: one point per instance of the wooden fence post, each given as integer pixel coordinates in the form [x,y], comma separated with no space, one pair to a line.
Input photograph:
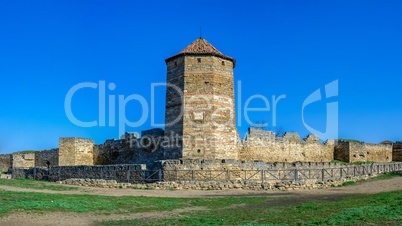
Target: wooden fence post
[323,174]
[262,176]
[160,175]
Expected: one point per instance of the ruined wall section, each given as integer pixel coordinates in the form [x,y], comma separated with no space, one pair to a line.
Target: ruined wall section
[397,152]
[5,162]
[261,145]
[75,151]
[132,150]
[378,152]
[341,151]
[23,160]
[47,158]
[354,151]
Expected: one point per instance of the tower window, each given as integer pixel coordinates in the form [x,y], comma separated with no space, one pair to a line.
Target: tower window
[199,60]
[223,63]
[175,63]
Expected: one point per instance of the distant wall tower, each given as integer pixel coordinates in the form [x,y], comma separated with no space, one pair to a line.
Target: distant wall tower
[75,151]
[200,110]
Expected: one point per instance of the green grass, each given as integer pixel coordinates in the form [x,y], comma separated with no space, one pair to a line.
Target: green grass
[351,140]
[35,184]
[377,209]
[380,177]
[351,163]
[348,183]
[374,209]
[40,202]
[361,163]
[26,152]
[387,176]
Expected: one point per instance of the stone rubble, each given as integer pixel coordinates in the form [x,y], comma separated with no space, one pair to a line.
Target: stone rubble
[210,185]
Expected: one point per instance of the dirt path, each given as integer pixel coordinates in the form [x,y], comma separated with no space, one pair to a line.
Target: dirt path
[78,219]
[293,197]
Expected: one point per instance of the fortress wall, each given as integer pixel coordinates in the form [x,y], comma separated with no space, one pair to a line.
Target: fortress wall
[341,151]
[5,162]
[23,160]
[353,151]
[357,152]
[378,152]
[264,146]
[136,150]
[229,164]
[75,151]
[43,157]
[397,152]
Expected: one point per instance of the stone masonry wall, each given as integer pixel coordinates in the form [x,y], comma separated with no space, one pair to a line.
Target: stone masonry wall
[23,160]
[341,151]
[47,156]
[5,162]
[75,151]
[378,152]
[229,164]
[397,152]
[353,151]
[207,126]
[120,173]
[132,150]
[264,146]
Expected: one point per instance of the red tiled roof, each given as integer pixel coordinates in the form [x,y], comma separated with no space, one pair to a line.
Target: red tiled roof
[201,47]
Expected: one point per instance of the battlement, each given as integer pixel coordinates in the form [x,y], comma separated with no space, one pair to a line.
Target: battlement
[265,146]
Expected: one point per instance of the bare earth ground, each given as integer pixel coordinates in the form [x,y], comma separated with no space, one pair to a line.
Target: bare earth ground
[292,197]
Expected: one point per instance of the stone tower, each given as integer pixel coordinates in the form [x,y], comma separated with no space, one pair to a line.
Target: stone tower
[200,114]
[75,151]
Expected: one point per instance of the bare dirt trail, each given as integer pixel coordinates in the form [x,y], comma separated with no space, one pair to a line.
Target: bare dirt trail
[292,197]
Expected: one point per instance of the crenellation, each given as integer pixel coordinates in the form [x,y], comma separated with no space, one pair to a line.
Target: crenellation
[263,145]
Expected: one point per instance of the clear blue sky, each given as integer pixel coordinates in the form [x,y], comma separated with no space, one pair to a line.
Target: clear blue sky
[281,47]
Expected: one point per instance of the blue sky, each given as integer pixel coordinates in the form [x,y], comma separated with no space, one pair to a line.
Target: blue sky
[287,48]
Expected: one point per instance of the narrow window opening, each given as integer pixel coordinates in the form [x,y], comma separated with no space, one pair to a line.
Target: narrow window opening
[223,63]
[199,60]
[175,63]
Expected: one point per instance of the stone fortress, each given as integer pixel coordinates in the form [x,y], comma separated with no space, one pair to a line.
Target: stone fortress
[200,128]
